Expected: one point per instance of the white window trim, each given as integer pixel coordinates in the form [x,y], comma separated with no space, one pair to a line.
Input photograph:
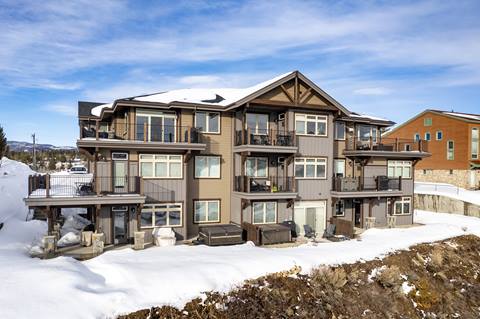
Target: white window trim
[318,119]
[436,135]
[255,131]
[416,137]
[344,131]
[473,155]
[154,161]
[373,133]
[334,213]
[207,160]
[149,115]
[206,215]
[152,207]
[264,213]
[318,161]
[256,166]
[402,164]
[453,150]
[207,129]
[403,200]
[335,161]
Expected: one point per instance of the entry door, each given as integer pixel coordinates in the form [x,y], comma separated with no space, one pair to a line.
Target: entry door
[120,224]
[312,214]
[120,180]
[358,214]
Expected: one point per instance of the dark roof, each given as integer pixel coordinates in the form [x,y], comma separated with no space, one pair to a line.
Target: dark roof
[85,108]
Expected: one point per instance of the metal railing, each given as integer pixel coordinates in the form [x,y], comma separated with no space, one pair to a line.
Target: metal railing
[272,184]
[266,137]
[358,143]
[358,184]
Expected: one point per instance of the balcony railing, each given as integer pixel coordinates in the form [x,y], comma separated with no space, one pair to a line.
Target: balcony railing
[359,184]
[356,143]
[81,185]
[267,138]
[271,184]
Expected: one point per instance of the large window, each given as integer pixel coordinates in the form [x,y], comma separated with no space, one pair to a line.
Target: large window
[155,126]
[257,123]
[450,150]
[339,167]
[400,169]
[264,212]
[161,166]
[256,166]
[403,206]
[365,132]
[207,122]
[207,166]
[161,215]
[339,208]
[206,211]
[340,130]
[310,168]
[474,143]
[311,124]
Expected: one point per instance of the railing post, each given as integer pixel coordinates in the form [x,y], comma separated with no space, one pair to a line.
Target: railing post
[141,186]
[400,183]
[420,145]
[248,137]
[97,128]
[47,185]
[145,130]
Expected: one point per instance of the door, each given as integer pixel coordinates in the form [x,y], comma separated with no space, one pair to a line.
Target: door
[120,224]
[358,213]
[310,215]
[120,179]
[473,182]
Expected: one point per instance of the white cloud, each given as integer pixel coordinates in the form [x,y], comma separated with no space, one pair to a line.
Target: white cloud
[67,109]
[372,91]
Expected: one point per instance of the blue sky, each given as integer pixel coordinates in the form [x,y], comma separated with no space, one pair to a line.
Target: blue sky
[391,59]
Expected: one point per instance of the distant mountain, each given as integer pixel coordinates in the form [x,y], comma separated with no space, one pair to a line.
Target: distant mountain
[28,147]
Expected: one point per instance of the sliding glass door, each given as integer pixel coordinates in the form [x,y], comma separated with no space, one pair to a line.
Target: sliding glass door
[156,126]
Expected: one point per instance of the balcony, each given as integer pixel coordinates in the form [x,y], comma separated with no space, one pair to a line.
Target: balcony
[273,187]
[386,147]
[144,136]
[273,141]
[380,186]
[83,189]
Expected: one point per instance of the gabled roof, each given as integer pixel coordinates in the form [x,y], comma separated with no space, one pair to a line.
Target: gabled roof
[220,98]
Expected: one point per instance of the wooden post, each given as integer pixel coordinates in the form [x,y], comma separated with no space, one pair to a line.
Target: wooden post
[420,145]
[248,137]
[396,144]
[145,132]
[96,177]
[142,186]
[47,185]
[97,128]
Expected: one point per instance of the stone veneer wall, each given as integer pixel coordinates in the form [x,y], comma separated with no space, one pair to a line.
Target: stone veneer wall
[443,204]
[460,178]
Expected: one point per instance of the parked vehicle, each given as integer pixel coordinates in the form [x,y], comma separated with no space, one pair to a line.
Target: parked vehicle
[78,170]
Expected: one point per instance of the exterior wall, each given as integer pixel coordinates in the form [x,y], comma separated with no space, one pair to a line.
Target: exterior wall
[283,213]
[105,224]
[461,178]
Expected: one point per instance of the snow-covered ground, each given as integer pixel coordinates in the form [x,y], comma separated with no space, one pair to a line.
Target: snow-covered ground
[448,190]
[126,280]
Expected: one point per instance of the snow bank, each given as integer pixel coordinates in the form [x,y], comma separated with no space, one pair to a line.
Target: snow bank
[448,190]
[68,239]
[125,280]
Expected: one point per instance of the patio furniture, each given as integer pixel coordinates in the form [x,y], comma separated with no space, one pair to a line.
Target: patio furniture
[290,224]
[329,231]
[217,235]
[267,234]
[309,232]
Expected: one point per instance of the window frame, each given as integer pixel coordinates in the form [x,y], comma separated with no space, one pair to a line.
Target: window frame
[429,136]
[441,135]
[151,208]
[395,164]
[264,212]
[334,213]
[154,161]
[336,160]
[403,201]
[416,137]
[427,121]
[256,131]
[256,158]
[207,114]
[207,201]
[336,130]
[372,128]
[452,150]
[318,161]
[208,157]
[319,118]
[149,114]
[474,144]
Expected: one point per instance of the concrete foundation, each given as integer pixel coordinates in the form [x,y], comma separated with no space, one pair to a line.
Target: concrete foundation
[442,204]
[467,179]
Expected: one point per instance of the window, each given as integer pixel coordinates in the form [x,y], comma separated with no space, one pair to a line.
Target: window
[439,135]
[206,211]
[340,130]
[427,136]
[257,123]
[416,137]
[475,139]
[161,215]
[310,168]
[339,208]
[400,169]
[207,122]
[364,132]
[207,166]
[311,124]
[408,147]
[339,168]
[403,206]
[155,126]
[256,166]
[264,212]
[161,166]
[450,150]
[427,121]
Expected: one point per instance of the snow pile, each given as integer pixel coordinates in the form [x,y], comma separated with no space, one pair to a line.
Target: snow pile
[74,224]
[68,239]
[448,190]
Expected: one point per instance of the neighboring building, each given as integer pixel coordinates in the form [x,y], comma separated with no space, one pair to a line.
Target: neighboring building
[281,150]
[454,143]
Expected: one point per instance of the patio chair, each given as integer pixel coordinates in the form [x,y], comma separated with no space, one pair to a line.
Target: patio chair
[329,231]
[309,232]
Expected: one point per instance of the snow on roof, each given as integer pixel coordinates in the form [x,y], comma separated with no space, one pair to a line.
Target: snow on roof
[366,116]
[219,96]
[463,115]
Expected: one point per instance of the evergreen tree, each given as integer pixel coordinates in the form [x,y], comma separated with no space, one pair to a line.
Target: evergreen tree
[3,143]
